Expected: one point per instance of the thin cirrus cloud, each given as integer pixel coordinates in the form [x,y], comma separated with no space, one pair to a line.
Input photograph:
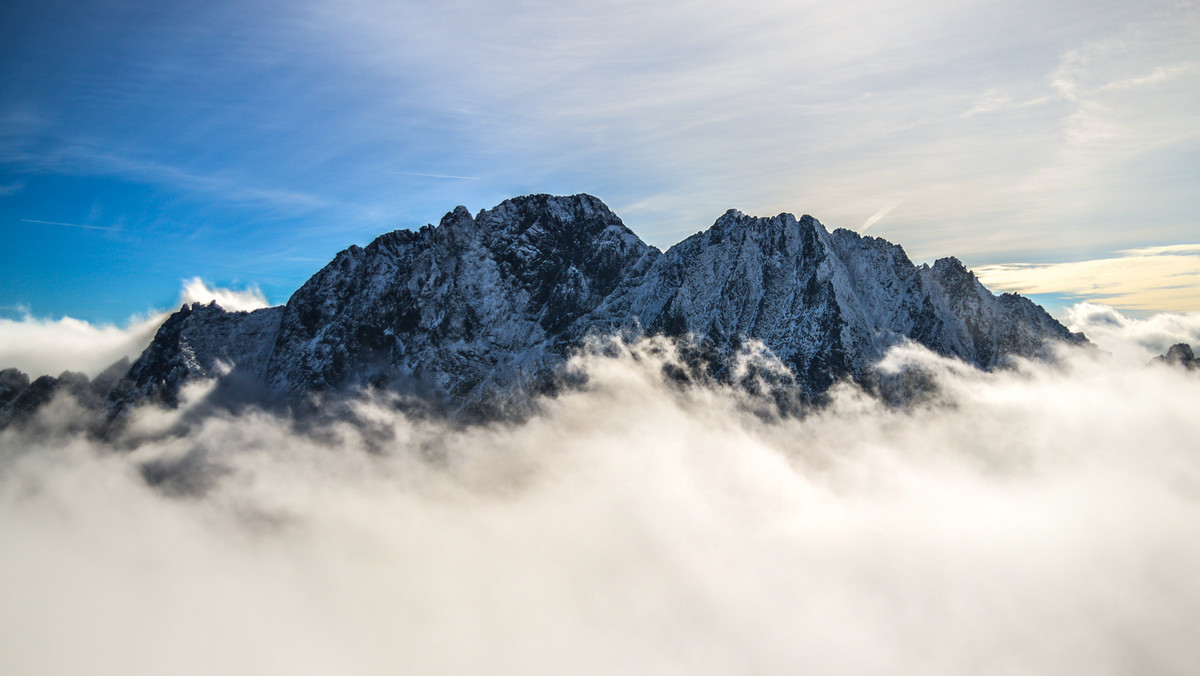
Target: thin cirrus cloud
[1146,279]
[446,176]
[835,111]
[877,216]
[68,225]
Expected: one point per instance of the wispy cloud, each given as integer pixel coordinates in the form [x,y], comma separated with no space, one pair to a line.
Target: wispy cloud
[994,102]
[878,215]
[1146,279]
[422,175]
[1185,249]
[68,225]
[93,158]
[828,133]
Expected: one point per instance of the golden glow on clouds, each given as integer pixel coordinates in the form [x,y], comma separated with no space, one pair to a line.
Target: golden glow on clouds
[1162,278]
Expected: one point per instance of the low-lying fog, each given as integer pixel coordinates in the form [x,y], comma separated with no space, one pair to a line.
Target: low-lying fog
[1037,520]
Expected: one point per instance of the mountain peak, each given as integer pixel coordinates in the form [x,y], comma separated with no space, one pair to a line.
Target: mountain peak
[460,214]
[561,208]
[480,313]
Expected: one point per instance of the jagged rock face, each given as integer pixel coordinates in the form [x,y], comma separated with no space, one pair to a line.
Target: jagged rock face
[496,298]
[480,312]
[751,278]
[829,305]
[12,383]
[200,342]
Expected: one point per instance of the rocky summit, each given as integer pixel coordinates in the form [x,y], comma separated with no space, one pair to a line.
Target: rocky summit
[1179,355]
[477,314]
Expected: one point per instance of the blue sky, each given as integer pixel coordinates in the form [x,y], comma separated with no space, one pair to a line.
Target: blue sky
[1053,146]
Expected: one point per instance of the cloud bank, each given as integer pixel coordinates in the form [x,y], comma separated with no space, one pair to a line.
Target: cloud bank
[1038,520]
[195,290]
[1131,340]
[42,346]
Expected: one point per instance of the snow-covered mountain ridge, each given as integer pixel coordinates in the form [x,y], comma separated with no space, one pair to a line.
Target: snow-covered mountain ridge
[477,313]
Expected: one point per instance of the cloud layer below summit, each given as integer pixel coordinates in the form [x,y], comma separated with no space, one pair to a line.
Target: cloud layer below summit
[1040,520]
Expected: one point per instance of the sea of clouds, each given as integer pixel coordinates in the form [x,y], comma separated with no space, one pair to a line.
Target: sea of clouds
[1041,519]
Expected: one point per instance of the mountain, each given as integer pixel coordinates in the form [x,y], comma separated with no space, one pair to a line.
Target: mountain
[1179,355]
[477,314]
[20,399]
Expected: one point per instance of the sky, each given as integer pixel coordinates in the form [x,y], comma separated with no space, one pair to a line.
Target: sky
[1054,146]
